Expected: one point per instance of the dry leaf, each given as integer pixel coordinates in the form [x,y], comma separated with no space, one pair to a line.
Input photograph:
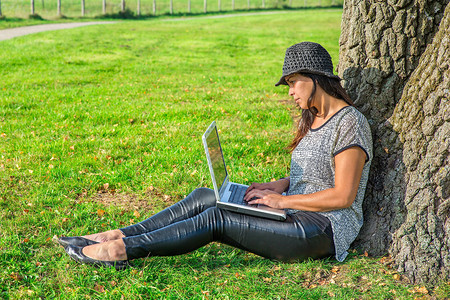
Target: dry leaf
[267,279]
[396,276]
[25,240]
[422,290]
[16,276]
[100,212]
[99,288]
[72,147]
[136,214]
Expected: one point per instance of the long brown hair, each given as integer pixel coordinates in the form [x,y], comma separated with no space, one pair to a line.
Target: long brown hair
[332,87]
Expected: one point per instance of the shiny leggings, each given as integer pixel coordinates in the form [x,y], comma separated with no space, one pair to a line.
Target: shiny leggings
[196,221]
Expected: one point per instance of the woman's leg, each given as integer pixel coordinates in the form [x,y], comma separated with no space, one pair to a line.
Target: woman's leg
[297,238]
[196,202]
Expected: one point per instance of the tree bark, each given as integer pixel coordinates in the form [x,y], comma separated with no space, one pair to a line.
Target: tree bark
[421,245]
[381,44]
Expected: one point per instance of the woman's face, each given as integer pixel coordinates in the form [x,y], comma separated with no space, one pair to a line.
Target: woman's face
[300,87]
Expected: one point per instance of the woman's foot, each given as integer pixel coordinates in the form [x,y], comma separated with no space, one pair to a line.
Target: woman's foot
[106,236]
[108,251]
[77,254]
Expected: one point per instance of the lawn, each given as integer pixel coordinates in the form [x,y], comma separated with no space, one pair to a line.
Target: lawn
[101,126]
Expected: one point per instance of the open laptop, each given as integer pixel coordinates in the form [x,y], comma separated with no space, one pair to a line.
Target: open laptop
[230,195]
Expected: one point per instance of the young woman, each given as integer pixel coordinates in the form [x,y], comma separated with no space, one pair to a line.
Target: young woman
[331,155]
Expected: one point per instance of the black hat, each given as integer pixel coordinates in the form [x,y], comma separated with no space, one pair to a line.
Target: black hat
[307,57]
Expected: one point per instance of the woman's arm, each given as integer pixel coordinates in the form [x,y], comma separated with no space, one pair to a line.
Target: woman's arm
[349,165]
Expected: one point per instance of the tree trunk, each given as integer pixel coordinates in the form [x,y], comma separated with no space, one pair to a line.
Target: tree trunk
[59,8]
[32,7]
[422,118]
[83,8]
[381,44]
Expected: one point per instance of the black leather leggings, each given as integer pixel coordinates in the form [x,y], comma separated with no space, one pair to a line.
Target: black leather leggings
[196,221]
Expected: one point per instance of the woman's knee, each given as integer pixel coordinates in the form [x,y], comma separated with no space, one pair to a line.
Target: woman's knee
[205,195]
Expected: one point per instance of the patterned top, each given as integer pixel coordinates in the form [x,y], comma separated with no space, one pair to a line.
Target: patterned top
[313,169]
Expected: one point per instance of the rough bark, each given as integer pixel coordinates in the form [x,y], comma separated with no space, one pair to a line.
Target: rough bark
[381,44]
[421,246]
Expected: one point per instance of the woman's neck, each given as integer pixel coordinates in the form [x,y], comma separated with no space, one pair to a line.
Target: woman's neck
[326,106]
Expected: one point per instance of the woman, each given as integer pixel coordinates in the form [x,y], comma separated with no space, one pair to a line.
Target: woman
[331,157]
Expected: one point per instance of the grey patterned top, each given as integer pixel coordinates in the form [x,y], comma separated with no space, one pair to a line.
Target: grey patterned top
[313,169]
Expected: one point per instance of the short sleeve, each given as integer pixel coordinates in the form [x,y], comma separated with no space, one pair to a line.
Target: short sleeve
[353,130]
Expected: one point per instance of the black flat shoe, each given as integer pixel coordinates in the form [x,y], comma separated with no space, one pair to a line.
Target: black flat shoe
[76,253]
[75,241]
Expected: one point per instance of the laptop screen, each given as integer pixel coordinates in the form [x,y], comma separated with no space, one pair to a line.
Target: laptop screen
[217,161]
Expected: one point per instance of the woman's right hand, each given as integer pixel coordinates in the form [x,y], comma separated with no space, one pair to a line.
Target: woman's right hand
[278,186]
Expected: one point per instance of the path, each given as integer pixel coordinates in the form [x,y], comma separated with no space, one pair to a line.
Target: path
[10,33]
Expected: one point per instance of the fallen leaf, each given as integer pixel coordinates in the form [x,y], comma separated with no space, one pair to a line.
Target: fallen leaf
[422,290]
[136,214]
[396,276]
[100,212]
[25,240]
[335,269]
[16,276]
[267,279]
[72,147]
[99,288]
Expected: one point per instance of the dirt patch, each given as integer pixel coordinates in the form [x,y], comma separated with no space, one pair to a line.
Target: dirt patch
[125,202]
[151,200]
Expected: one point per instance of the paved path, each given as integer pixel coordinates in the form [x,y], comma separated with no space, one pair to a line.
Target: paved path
[10,33]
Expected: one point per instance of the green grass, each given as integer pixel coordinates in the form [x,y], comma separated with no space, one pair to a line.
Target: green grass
[101,127]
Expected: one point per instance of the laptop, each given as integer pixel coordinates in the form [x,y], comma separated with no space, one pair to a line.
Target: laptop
[230,195]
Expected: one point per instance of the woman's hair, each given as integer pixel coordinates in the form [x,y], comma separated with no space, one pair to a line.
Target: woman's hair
[332,87]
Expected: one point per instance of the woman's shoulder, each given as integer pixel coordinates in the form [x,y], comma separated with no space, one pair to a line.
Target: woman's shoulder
[353,117]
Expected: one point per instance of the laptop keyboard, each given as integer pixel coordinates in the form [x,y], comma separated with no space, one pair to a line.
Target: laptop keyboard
[237,194]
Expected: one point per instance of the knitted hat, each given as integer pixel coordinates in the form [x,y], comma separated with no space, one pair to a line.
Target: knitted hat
[307,57]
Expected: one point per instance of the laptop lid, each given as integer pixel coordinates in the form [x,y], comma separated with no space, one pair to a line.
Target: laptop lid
[216,162]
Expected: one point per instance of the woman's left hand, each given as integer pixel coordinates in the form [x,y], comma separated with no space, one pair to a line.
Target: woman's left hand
[266,197]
